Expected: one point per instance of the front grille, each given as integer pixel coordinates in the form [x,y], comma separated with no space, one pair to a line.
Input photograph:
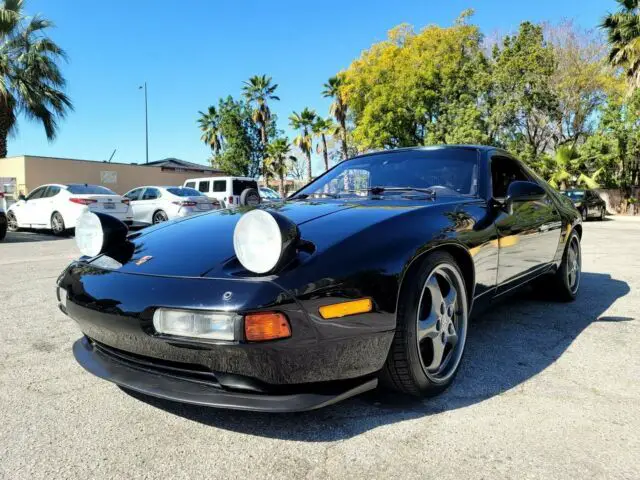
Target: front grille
[182,371]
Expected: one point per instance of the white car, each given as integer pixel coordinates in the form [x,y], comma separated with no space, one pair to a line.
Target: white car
[57,207]
[269,195]
[231,192]
[153,204]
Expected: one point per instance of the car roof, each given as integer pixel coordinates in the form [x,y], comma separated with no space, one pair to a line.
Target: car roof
[219,178]
[482,148]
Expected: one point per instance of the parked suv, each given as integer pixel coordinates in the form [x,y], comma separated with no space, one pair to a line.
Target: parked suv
[153,204]
[231,192]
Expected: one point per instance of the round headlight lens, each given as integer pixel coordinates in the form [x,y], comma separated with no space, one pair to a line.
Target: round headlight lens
[89,234]
[257,240]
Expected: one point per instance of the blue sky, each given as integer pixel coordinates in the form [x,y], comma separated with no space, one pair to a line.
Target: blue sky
[195,51]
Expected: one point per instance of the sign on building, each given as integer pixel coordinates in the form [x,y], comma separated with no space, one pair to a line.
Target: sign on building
[108,177]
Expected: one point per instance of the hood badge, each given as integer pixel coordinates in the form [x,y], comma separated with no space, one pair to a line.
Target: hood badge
[144,259]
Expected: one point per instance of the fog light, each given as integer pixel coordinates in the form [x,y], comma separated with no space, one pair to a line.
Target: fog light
[193,324]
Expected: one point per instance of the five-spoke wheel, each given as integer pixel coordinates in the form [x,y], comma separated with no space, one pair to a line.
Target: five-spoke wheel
[160,217]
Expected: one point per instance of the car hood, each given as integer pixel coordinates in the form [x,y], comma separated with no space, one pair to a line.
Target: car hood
[203,244]
[195,245]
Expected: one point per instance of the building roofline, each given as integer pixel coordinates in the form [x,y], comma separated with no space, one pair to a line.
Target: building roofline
[195,165]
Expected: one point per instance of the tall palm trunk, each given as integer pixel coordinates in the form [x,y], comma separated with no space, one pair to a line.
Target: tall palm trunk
[281,183]
[325,153]
[309,165]
[5,125]
[345,150]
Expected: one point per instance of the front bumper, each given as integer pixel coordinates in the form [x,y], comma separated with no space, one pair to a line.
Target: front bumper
[175,386]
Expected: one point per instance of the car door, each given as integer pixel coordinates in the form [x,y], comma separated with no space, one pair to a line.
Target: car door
[529,231]
[133,196]
[28,213]
[147,204]
[46,206]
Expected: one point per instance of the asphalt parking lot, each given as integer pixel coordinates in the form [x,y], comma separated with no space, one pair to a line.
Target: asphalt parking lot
[546,390]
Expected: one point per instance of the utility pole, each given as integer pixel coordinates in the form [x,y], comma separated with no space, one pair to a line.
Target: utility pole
[146,121]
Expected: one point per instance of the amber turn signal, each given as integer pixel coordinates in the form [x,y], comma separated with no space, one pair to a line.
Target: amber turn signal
[343,309]
[260,327]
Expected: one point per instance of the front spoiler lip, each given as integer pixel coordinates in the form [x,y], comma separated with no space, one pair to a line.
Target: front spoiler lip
[175,389]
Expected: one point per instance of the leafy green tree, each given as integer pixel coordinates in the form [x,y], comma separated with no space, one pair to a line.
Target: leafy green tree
[321,128]
[241,151]
[303,122]
[208,123]
[623,32]
[30,79]
[339,109]
[419,88]
[258,91]
[525,107]
[277,160]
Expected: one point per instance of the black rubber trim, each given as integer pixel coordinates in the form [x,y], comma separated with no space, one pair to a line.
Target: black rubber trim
[187,391]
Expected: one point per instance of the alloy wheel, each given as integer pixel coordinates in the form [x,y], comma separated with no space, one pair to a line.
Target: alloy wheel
[584,214]
[57,224]
[12,222]
[159,217]
[574,265]
[442,323]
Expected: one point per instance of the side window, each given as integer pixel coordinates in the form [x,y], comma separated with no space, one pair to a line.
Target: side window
[37,193]
[190,184]
[52,191]
[220,186]
[133,194]
[504,171]
[205,186]
[150,194]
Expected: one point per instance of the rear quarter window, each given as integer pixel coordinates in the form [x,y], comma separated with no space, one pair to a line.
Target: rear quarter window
[204,187]
[220,186]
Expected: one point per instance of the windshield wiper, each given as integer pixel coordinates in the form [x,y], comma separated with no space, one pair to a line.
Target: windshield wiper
[303,196]
[381,190]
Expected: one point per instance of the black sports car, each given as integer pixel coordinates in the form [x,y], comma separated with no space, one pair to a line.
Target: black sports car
[367,275]
[588,203]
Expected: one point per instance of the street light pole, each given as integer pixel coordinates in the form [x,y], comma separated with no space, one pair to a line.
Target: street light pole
[146,122]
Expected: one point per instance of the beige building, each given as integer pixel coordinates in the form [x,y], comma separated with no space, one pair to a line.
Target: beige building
[27,172]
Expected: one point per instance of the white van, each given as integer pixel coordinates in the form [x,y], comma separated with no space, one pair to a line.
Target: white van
[231,192]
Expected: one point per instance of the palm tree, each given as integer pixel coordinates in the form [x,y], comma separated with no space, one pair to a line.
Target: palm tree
[321,128]
[304,121]
[276,162]
[338,108]
[258,91]
[209,125]
[623,32]
[562,170]
[30,79]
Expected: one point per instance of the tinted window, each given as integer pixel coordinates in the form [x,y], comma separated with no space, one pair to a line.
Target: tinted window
[240,186]
[574,194]
[184,192]
[133,194]
[89,190]
[52,191]
[150,194]
[37,193]
[204,186]
[450,172]
[503,172]
[220,186]
[190,184]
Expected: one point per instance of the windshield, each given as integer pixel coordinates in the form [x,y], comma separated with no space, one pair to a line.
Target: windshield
[185,192]
[448,172]
[89,190]
[575,194]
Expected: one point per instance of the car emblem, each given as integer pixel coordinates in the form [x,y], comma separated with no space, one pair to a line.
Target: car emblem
[144,259]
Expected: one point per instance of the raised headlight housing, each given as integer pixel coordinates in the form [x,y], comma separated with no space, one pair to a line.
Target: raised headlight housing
[96,232]
[264,241]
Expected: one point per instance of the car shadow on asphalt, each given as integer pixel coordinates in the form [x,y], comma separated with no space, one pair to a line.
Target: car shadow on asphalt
[28,236]
[507,345]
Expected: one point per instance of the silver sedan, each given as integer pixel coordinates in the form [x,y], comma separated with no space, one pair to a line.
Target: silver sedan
[153,204]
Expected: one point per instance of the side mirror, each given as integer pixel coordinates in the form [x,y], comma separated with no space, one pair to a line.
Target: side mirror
[22,197]
[519,191]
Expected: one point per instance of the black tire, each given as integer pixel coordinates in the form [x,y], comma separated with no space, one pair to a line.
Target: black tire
[3,226]
[563,287]
[159,217]
[603,214]
[57,225]
[12,222]
[585,214]
[250,197]
[405,369]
